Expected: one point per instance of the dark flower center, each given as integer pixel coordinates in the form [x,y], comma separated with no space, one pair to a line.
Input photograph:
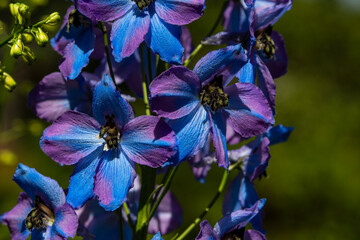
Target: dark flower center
[264,43]
[77,19]
[236,234]
[142,3]
[212,94]
[40,216]
[110,132]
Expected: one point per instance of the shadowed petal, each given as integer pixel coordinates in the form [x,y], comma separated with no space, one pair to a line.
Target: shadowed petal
[66,221]
[164,39]
[108,101]
[179,12]
[237,17]
[148,140]
[15,218]
[71,137]
[266,83]
[218,135]
[128,32]
[206,232]
[253,235]
[248,111]
[113,179]
[279,134]
[35,184]
[175,93]
[268,12]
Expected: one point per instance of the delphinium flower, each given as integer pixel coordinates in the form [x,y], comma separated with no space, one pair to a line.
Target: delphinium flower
[232,226]
[158,22]
[251,24]
[106,147]
[199,102]
[41,211]
[76,42]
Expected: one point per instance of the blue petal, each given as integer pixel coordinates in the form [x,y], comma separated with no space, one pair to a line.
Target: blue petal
[108,101]
[157,236]
[247,74]
[192,132]
[114,177]
[82,179]
[231,200]
[164,39]
[35,184]
[279,134]
[268,12]
[218,135]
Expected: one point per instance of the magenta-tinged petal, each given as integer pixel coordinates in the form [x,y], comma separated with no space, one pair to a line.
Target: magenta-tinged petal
[71,137]
[237,17]
[268,12]
[179,12]
[218,135]
[167,217]
[175,93]
[104,10]
[107,101]
[186,42]
[266,83]
[129,32]
[66,221]
[113,179]
[253,235]
[277,65]
[206,232]
[148,140]
[15,218]
[248,110]
[232,137]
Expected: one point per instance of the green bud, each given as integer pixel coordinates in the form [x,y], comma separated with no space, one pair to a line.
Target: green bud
[41,38]
[9,82]
[27,37]
[14,9]
[53,19]
[17,48]
[28,56]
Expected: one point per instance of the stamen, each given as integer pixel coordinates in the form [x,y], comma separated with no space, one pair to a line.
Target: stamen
[40,216]
[110,133]
[213,95]
[265,44]
[142,3]
[77,19]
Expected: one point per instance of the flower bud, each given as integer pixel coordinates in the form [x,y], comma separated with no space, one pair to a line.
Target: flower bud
[14,9]
[23,14]
[9,82]
[27,37]
[28,56]
[17,48]
[53,19]
[41,38]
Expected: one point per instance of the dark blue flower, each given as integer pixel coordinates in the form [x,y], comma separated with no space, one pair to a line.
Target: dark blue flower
[106,147]
[41,211]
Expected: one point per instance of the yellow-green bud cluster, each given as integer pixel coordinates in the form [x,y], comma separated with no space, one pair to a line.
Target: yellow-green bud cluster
[17,48]
[41,37]
[53,19]
[21,13]
[7,80]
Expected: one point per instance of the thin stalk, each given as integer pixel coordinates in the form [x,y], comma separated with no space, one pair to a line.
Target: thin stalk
[207,209]
[108,56]
[11,36]
[163,192]
[162,183]
[127,212]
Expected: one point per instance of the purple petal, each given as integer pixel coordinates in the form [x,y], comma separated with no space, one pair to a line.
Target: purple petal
[278,64]
[71,137]
[53,96]
[237,17]
[113,179]
[148,140]
[175,93]
[66,221]
[218,135]
[266,83]
[192,132]
[238,219]
[164,39]
[104,10]
[206,232]
[248,111]
[186,42]
[15,218]
[129,32]
[253,235]
[199,164]
[167,217]
[108,101]
[268,12]
[35,184]
[232,137]
[179,12]
[82,179]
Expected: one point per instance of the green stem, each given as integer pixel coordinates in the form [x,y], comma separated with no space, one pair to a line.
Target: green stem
[127,212]
[163,192]
[108,58]
[210,33]
[207,209]
[11,36]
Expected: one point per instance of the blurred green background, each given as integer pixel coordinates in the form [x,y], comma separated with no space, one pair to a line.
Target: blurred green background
[313,186]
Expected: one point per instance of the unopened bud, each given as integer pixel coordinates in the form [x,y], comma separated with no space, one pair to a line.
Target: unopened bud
[41,38]
[9,82]
[27,37]
[17,48]
[28,56]
[23,15]
[53,19]
[14,9]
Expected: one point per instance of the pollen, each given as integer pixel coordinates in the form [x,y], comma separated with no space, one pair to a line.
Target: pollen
[265,44]
[110,133]
[213,94]
[142,3]
[40,216]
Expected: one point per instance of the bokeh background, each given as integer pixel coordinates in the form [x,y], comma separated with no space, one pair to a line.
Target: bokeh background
[313,188]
